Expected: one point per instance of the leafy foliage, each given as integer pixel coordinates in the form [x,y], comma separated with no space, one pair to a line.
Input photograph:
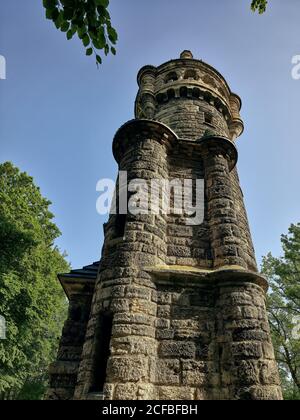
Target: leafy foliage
[89,20]
[31,300]
[284,309]
[259,5]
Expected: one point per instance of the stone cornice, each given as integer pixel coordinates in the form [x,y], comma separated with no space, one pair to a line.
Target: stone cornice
[141,128]
[226,276]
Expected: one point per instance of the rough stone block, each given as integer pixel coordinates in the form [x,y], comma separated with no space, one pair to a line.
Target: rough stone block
[247,372]
[176,393]
[126,392]
[247,350]
[194,373]
[127,369]
[165,371]
[185,350]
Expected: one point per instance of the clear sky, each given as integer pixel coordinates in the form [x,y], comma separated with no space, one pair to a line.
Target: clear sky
[58,113]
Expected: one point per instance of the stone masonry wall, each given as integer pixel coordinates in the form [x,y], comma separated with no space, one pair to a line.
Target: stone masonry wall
[186,116]
[187,245]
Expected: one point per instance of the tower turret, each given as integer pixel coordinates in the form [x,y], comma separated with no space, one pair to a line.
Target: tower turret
[177,308]
[190,97]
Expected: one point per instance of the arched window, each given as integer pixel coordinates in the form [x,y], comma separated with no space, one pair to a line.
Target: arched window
[196,93]
[183,91]
[171,77]
[171,94]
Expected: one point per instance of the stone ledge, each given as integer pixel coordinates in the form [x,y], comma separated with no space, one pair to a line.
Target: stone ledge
[224,276]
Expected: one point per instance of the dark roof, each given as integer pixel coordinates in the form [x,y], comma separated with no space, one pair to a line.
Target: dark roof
[87,272]
[81,280]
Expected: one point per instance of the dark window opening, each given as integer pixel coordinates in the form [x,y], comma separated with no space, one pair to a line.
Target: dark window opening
[208,118]
[160,98]
[183,92]
[120,226]
[171,77]
[196,93]
[102,351]
[75,314]
[171,94]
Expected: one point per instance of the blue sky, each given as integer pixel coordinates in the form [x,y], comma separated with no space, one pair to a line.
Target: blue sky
[58,113]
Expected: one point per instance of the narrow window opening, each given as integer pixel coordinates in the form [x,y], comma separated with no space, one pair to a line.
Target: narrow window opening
[183,92]
[120,227]
[171,77]
[208,118]
[102,351]
[160,98]
[75,314]
[196,93]
[171,94]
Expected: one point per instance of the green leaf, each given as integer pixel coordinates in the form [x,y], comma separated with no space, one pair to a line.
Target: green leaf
[112,35]
[81,31]
[68,14]
[49,14]
[89,51]
[103,3]
[113,50]
[65,27]
[86,40]
[59,20]
[70,34]
[99,59]
[98,45]
[55,15]
[49,4]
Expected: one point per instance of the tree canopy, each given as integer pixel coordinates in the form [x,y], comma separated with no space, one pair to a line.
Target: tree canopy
[88,19]
[284,309]
[31,300]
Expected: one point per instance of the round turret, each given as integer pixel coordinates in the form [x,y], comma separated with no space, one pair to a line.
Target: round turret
[190,97]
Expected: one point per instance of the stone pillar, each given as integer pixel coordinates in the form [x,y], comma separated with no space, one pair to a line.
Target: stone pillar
[224,228]
[124,287]
[147,104]
[236,125]
[248,370]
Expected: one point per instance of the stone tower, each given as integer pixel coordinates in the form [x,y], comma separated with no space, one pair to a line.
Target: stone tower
[173,311]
